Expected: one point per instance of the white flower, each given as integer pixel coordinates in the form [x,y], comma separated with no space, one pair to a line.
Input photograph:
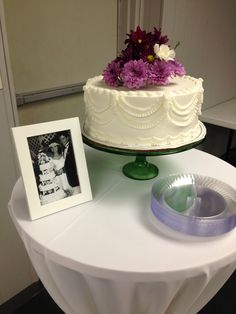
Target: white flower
[164,52]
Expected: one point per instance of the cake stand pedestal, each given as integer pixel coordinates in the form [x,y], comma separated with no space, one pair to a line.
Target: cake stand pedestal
[140,168]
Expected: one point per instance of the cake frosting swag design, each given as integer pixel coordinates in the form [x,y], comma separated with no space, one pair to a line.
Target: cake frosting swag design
[144,100]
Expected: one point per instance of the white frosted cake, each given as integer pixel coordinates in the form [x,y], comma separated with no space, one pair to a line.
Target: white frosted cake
[154,117]
[49,187]
[144,100]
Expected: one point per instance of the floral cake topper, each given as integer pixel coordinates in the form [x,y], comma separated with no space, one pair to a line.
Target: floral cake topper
[146,60]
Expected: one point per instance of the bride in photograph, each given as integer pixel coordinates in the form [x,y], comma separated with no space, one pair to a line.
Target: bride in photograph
[58,162]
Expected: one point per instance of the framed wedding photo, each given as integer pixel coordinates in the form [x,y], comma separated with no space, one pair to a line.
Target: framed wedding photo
[53,166]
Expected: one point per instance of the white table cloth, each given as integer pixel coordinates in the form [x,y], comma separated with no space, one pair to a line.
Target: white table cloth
[112,256]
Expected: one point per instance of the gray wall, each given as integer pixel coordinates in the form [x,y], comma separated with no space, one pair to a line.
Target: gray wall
[59,42]
[16,272]
[207,34]
[56,43]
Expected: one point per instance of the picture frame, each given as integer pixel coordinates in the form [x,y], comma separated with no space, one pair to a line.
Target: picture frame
[53,166]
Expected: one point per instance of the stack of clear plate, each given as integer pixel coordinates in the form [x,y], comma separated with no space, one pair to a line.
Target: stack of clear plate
[194,204]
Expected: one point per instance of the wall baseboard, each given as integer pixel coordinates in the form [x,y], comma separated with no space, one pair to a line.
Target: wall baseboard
[49,93]
[21,298]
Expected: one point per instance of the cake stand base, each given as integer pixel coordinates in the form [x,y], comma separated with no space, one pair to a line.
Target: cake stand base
[140,169]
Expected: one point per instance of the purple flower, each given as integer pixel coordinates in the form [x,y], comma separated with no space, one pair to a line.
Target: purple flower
[135,74]
[126,54]
[176,68]
[159,72]
[138,64]
[158,39]
[111,74]
[137,37]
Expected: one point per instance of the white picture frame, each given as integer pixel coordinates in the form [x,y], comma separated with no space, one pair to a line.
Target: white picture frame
[50,185]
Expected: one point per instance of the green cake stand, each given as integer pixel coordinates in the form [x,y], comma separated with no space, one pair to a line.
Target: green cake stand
[140,168]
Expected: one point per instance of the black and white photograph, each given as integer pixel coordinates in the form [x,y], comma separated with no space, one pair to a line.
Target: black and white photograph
[53,165]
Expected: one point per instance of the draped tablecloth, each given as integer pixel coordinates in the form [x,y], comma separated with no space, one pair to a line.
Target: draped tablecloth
[112,256]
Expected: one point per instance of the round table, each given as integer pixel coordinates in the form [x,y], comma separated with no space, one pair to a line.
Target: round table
[111,255]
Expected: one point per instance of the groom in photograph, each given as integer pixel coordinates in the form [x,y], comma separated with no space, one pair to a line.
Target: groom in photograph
[70,164]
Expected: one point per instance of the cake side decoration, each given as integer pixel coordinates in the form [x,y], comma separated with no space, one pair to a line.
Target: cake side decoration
[147,60]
